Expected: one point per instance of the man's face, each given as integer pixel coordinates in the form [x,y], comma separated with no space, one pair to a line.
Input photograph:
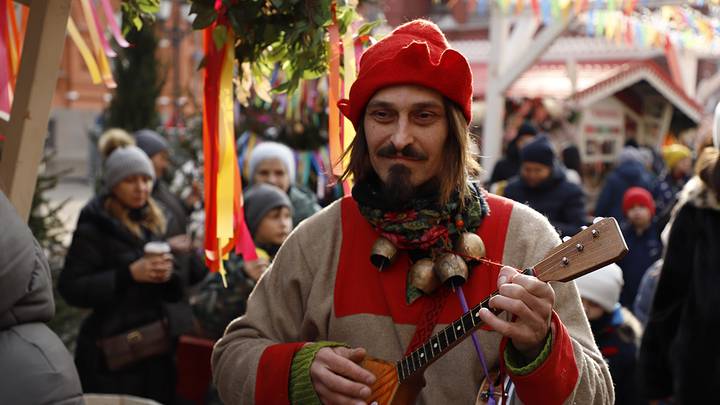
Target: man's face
[534,173]
[272,171]
[406,128]
[683,167]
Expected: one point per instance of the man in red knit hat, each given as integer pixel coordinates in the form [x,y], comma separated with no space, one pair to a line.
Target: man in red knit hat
[366,276]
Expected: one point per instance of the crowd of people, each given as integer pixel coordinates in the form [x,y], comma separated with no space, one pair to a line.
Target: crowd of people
[331,286]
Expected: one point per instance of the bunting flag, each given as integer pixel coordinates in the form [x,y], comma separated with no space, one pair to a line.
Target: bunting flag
[225,227]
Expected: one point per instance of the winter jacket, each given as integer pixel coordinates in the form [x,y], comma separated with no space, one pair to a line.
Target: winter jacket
[35,366]
[322,286]
[304,203]
[629,173]
[617,335]
[678,356]
[509,166]
[644,250]
[560,200]
[97,276]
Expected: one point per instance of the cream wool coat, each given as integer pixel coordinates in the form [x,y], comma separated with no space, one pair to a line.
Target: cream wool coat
[293,302]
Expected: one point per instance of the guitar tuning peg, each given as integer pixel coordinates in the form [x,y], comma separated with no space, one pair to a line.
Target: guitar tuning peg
[597,219]
[584,227]
[566,238]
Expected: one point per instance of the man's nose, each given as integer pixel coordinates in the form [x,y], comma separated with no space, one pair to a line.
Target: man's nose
[402,136]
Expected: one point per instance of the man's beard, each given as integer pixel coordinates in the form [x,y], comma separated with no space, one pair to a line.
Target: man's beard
[398,191]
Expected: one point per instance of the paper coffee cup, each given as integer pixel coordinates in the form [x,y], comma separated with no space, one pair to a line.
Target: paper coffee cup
[157,248]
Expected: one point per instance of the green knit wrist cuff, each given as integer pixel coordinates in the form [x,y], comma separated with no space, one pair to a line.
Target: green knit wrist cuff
[301,388]
[515,364]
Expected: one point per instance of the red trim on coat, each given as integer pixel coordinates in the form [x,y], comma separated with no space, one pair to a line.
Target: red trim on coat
[273,373]
[361,289]
[555,379]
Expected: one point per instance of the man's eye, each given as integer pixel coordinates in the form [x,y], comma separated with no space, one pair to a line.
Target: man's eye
[381,115]
[426,115]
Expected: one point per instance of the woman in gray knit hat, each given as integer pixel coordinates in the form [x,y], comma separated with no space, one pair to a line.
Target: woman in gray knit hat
[110,270]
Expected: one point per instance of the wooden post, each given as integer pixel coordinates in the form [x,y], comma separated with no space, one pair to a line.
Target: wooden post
[26,131]
[504,70]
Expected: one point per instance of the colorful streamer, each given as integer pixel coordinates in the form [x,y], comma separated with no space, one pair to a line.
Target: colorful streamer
[225,227]
[100,55]
[85,52]
[333,96]
[5,62]
[114,29]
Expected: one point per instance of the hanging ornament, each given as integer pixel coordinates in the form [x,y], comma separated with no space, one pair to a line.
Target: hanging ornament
[383,253]
[422,276]
[470,247]
[451,267]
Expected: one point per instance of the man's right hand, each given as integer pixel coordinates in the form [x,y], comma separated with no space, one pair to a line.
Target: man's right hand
[338,378]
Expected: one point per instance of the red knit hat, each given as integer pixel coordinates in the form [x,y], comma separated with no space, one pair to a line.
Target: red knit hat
[414,53]
[638,196]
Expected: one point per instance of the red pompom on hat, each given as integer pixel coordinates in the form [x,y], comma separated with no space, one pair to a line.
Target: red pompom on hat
[417,53]
[638,196]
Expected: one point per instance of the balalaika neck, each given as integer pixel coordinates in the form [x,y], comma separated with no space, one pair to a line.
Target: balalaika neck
[441,343]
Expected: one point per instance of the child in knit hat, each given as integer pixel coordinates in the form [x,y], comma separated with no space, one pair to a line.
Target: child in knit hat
[268,214]
[678,161]
[617,332]
[639,227]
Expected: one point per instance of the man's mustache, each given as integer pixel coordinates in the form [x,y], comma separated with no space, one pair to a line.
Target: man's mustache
[409,152]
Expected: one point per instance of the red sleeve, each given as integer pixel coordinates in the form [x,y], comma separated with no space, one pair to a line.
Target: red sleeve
[273,373]
[555,379]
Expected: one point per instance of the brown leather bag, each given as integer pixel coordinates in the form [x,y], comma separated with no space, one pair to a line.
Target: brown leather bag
[137,344]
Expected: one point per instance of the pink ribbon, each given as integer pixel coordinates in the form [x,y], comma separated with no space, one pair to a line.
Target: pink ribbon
[106,46]
[110,18]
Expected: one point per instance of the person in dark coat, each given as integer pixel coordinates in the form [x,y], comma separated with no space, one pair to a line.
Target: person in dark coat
[630,172]
[35,366]
[509,166]
[639,228]
[617,332]
[542,185]
[677,356]
[108,271]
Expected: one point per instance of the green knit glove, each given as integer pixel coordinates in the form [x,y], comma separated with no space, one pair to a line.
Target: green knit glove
[301,388]
[515,364]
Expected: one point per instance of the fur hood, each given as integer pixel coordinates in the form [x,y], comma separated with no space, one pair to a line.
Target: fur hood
[694,192]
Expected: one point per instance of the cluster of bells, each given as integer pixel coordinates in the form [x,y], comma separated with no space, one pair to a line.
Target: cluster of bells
[428,274]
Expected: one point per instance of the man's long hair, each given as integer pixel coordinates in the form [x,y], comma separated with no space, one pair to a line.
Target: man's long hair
[458,167]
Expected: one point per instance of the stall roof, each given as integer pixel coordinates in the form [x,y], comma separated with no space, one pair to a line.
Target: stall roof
[632,73]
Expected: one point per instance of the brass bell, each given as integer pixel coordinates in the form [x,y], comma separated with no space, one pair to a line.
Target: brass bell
[470,246]
[451,266]
[423,277]
[383,253]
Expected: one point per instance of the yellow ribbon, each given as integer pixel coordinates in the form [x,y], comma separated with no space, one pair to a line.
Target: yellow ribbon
[333,97]
[349,79]
[226,153]
[105,72]
[84,51]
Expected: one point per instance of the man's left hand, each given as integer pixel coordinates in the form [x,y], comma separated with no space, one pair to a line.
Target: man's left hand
[530,301]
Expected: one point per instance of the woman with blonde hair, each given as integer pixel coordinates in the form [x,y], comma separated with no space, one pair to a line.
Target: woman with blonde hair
[112,269]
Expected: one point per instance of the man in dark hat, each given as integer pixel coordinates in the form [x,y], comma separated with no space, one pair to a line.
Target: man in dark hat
[353,279]
[543,185]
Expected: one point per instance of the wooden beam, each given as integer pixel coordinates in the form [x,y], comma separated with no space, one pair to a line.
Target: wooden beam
[27,129]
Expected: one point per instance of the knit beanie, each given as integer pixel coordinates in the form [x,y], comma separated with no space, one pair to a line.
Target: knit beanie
[416,53]
[539,150]
[602,286]
[272,150]
[674,153]
[124,162]
[631,153]
[526,129]
[261,199]
[150,141]
[638,196]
